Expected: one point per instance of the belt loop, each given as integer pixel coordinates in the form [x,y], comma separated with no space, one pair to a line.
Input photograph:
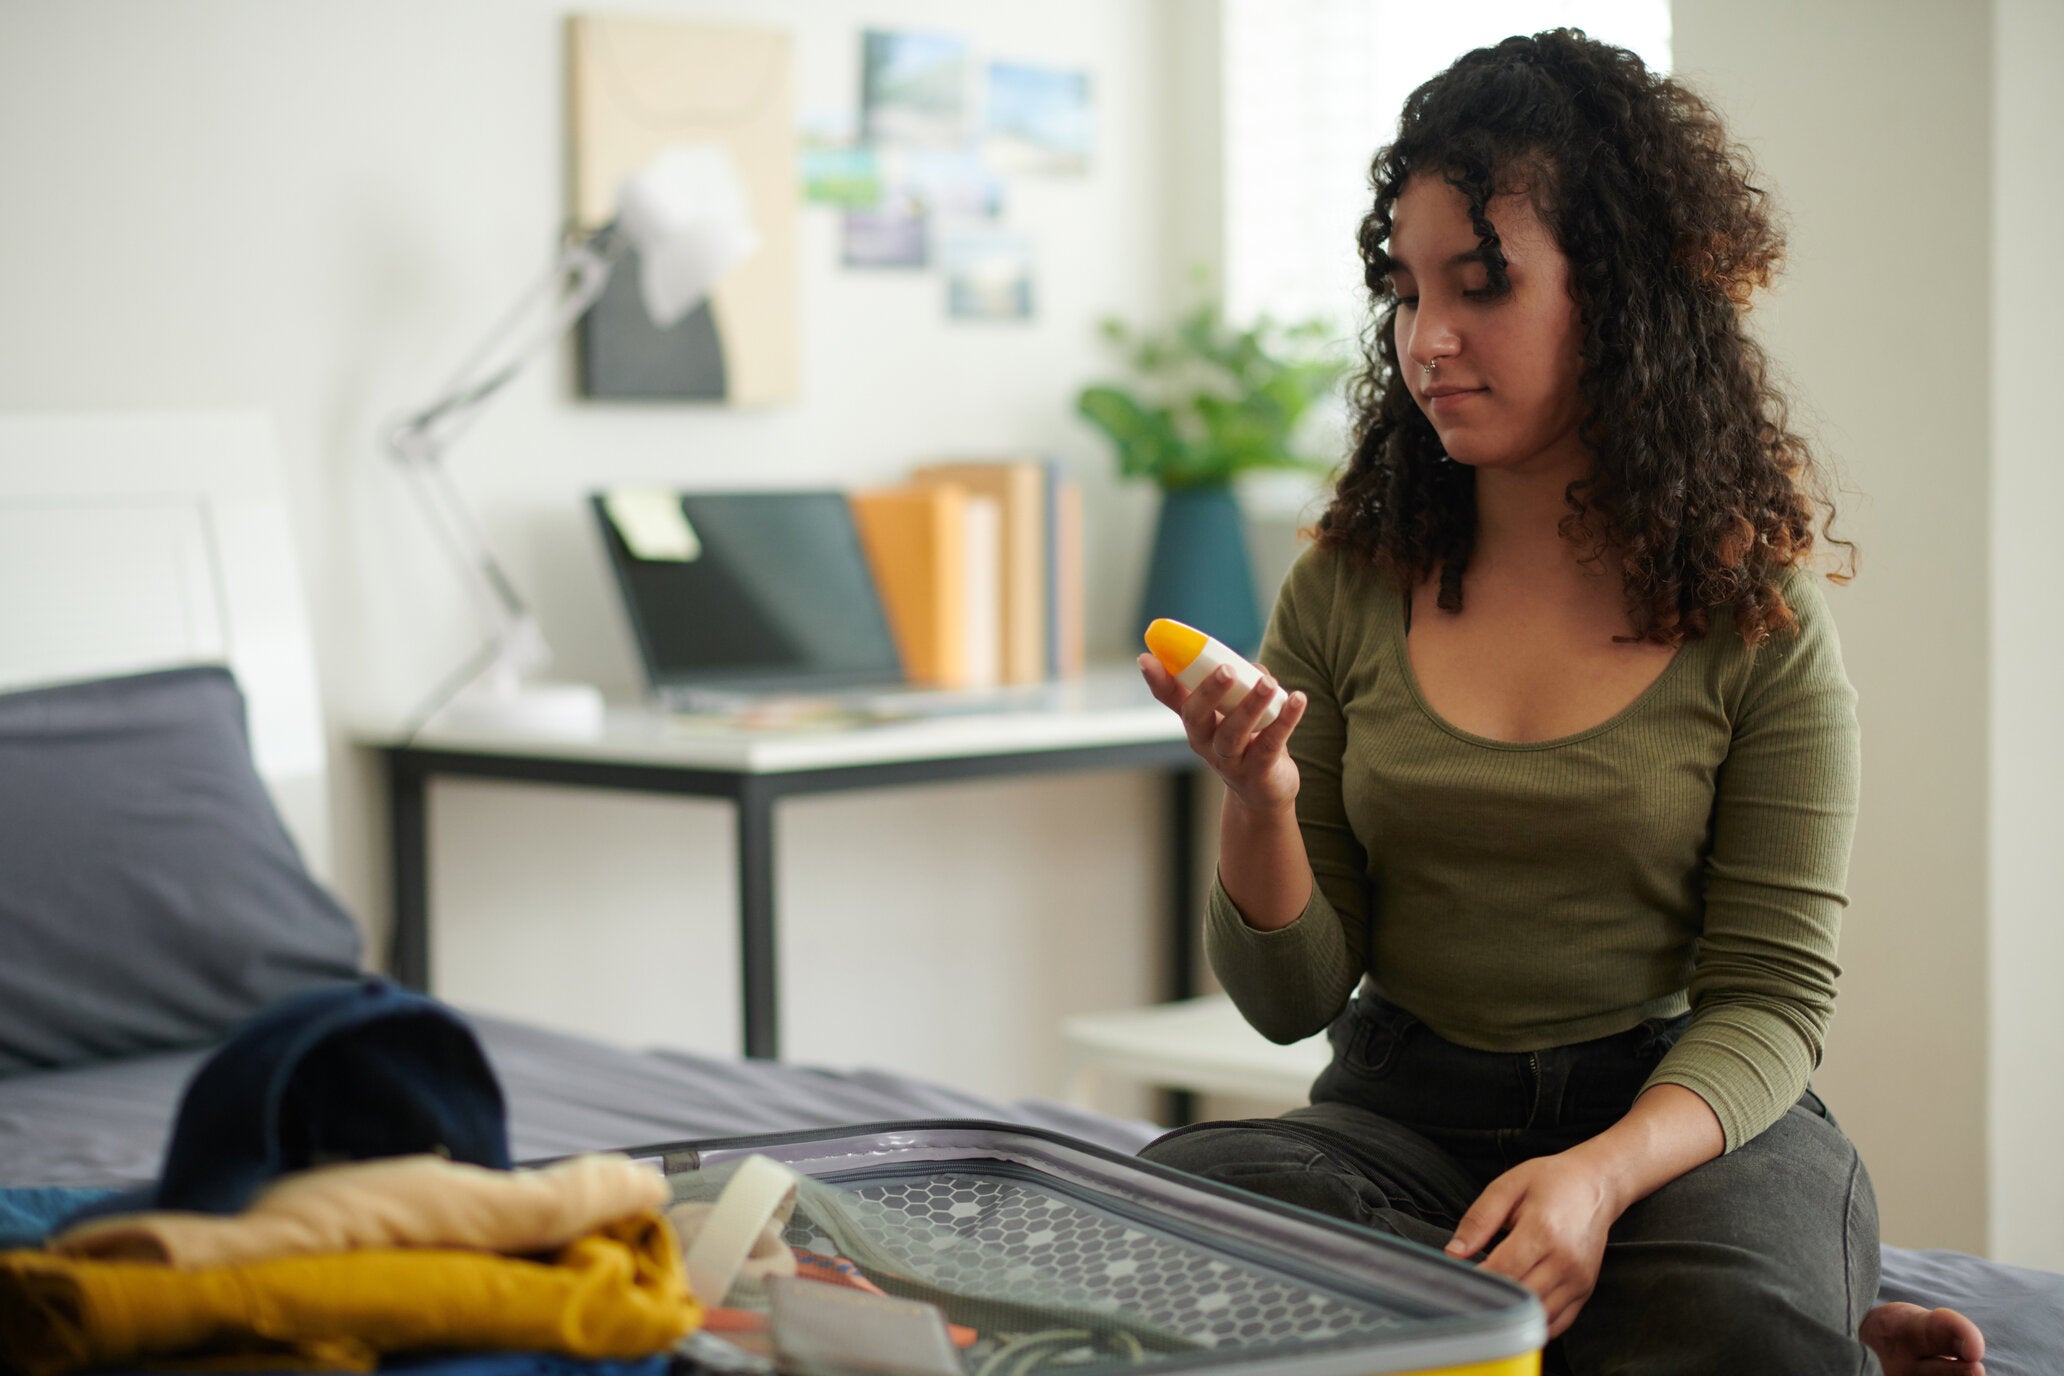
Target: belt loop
[1553,1067]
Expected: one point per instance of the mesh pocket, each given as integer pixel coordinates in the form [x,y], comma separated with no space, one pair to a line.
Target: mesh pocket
[1046,1280]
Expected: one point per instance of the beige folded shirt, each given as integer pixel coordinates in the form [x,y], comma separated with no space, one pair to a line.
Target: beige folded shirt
[403,1201]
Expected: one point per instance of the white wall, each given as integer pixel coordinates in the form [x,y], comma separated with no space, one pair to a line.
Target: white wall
[1871,124]
[2026,1071]
[316,208]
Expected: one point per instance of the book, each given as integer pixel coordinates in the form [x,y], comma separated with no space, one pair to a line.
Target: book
[1020,490]
[983,605]
[1071,635]
[916,539]
[1050,559]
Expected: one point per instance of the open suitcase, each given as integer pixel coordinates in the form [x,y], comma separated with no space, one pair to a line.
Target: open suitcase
[1007,1229]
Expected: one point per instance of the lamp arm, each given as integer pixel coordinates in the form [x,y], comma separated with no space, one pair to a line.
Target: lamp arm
[419,441]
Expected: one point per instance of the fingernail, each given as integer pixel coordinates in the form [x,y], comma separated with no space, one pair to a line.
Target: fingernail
[1455,1247]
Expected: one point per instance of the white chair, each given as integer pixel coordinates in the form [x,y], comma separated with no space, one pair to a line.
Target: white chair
[1201,1045]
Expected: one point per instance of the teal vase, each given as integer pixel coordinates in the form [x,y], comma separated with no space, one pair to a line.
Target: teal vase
[1199,572]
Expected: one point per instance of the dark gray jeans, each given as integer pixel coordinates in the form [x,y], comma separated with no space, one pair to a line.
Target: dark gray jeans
[1760,1261]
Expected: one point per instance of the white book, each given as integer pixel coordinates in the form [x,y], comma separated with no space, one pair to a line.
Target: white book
[984,600]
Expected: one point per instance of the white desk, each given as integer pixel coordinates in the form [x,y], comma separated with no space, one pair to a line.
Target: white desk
[1105,721]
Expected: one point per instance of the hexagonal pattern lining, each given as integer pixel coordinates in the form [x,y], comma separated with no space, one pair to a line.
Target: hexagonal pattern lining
[1021,1236]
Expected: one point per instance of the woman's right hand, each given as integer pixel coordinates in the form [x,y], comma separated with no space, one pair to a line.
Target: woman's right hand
[1255,765]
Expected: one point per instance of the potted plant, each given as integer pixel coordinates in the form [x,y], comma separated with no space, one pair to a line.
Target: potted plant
[1209,402]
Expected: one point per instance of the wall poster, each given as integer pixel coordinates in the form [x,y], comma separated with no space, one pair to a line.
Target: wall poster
[637,86]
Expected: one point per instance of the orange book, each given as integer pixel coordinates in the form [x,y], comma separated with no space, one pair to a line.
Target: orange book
[1020,490]
[1070,632]
[916,543]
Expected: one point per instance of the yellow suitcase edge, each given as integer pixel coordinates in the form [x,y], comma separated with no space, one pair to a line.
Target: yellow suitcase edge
[1526,1364]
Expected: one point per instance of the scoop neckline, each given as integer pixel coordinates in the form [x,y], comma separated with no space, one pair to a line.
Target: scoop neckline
[1402,655]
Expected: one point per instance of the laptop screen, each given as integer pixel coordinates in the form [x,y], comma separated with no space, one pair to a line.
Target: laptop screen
[762,590]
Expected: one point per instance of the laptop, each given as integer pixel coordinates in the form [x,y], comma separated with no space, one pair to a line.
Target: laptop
[742,598]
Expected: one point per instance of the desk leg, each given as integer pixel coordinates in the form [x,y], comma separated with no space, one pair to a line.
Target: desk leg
[760,995]
[1182,914]
[409,827]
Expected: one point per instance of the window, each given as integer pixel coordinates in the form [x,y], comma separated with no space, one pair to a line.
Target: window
[1313,88]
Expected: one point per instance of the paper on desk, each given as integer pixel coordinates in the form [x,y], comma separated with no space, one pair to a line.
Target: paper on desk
[652,524]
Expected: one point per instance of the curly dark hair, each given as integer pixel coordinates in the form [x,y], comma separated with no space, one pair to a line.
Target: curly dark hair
[1699,490]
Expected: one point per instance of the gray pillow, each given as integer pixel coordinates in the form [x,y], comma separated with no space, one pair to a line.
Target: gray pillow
[150,896]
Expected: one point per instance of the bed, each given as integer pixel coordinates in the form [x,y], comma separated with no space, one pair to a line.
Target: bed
[152,624]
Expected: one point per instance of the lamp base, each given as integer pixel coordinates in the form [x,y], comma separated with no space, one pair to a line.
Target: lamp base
[527,707]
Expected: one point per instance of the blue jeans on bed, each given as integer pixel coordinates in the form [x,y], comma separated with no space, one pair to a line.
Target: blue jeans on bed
[1764,1260]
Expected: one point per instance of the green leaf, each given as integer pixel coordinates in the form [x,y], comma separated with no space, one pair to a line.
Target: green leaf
[1290,395]
[1144,437]
[1212,399]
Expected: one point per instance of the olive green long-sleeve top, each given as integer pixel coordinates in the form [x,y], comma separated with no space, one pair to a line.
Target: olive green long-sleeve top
[1692,851]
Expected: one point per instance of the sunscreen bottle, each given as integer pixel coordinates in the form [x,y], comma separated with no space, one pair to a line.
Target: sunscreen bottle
[1193,656]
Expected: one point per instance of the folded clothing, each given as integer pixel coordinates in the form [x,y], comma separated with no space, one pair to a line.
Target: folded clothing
[405,1201]
[345,1072]
[619,1292]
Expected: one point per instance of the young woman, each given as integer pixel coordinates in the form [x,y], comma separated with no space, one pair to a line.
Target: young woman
[1559,812]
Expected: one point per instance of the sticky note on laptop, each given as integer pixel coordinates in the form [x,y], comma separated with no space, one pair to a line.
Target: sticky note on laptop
[651,524]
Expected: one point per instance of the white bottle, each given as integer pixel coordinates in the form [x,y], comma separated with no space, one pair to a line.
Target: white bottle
[1192,657]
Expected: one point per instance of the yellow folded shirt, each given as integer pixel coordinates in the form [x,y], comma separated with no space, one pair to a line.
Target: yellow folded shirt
[619,1292]
[404,1201]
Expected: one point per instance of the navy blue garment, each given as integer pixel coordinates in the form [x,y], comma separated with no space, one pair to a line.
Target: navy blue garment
[348,1072]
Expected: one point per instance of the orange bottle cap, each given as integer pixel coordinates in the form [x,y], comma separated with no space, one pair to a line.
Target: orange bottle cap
[1174,644]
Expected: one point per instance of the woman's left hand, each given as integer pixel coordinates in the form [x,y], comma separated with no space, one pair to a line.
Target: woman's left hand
[1555,1212]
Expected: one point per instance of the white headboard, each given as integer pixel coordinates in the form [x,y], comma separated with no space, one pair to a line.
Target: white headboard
[131,542]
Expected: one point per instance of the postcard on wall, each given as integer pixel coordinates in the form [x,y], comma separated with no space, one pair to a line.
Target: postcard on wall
[1039,120]
[988,274]
[849,177]
[913,89]
[837,169]
[636,87]
[920,189]
[894,234]
[946,181]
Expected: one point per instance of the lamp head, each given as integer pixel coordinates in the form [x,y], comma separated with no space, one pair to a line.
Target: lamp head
[687,215]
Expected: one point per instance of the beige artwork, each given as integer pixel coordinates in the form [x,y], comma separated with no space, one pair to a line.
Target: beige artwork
[636,87]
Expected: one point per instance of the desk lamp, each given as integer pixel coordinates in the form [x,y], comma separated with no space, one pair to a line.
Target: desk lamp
[685,215]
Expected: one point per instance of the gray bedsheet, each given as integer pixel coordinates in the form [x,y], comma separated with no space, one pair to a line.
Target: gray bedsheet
[106,1125]
[2021,1312]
